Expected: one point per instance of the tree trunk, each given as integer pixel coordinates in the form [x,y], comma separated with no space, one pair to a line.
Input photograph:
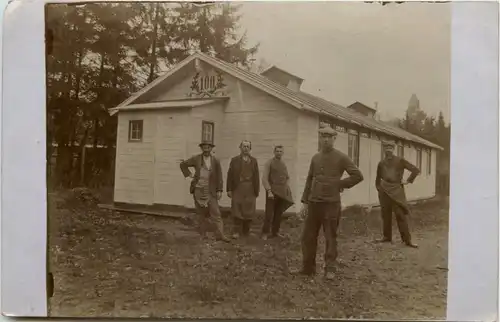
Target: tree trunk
[154,44]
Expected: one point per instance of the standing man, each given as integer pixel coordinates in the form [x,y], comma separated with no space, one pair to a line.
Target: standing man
[321,201]
[243,189]
[391,193]
[278,193]
[206,188]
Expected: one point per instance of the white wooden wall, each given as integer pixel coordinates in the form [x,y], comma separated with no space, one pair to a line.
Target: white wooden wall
[134,173]
[249,114]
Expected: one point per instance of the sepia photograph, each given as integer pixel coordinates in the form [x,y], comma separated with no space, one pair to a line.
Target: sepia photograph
[250,160]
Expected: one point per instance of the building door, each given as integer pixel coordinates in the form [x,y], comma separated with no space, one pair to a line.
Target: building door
[170,148]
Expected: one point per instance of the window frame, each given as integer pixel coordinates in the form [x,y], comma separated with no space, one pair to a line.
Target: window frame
[419,159]
[350,151]
[212,132]
[429,162]
[400,147]
[131,131]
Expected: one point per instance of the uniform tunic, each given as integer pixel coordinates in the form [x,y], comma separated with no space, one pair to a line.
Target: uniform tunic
[324,181]
[275,178]
[322,194]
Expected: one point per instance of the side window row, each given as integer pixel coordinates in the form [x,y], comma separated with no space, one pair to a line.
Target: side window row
[136,131]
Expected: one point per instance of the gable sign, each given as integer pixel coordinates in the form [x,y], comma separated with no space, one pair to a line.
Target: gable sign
[207,85]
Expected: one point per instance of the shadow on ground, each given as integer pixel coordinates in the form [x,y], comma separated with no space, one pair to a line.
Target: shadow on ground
[108,264]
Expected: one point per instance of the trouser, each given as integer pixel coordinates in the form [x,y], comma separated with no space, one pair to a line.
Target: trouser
[208,216]
[326,214]
[242,226]
[388,206]
[275,207]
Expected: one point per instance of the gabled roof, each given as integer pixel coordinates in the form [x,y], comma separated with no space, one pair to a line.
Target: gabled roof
[301,100]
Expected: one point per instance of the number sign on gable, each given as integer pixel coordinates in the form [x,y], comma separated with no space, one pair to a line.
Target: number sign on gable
[207,85]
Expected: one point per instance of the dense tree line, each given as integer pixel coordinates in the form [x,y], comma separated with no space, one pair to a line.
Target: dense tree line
[99,54]
[416,121]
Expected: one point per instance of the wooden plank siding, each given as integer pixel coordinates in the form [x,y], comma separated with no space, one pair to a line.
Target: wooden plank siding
[143,169]
[134,160]
[265,121]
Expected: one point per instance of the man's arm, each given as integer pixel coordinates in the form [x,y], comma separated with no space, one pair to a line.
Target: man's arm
[256,177]
[220,183]
[355,175]
[413,169]
[186,164]
[265,175]
[307,188]
[378,178]
[229,179]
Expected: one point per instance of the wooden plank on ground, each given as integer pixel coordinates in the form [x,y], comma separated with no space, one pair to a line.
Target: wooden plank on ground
[172,215]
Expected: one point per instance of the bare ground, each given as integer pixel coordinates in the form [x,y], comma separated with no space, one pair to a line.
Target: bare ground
[108,264]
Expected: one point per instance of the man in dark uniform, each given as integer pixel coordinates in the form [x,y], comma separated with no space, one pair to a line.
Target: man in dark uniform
[390,185]
[278,193]
[206,188]
[321,199]
[243,189]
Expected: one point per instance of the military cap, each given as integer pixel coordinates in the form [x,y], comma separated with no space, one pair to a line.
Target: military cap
[326,129]
[388,143]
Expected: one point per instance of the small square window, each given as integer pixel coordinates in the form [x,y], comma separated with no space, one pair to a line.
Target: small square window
[135,130]
[207,132]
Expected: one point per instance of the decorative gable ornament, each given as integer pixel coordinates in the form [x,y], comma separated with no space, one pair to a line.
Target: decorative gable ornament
[207,85]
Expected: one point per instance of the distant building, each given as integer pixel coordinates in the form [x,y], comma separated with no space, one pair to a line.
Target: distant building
[204,97]
[363,109]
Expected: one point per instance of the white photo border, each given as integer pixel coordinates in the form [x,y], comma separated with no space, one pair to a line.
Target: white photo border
[473,244]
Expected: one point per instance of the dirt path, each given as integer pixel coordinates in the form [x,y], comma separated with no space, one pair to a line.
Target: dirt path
[113,265]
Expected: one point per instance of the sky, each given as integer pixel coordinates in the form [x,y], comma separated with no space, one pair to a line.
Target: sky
[348,52]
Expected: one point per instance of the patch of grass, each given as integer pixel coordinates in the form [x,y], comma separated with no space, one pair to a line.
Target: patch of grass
[108,264]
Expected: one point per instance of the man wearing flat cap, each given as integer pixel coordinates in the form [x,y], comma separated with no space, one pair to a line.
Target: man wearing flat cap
[321,200]
[206,188]
[391,193]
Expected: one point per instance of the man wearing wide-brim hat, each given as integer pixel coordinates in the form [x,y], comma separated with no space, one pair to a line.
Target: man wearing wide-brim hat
[206,188]
[390,186]
[321,199]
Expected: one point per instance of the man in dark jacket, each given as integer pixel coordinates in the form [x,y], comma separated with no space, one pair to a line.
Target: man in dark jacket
[206,188]
[390,185]
[243,189]
[321,199]
[275,180]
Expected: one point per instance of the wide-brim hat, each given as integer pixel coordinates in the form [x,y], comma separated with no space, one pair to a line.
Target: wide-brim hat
[327,130]
[206,143]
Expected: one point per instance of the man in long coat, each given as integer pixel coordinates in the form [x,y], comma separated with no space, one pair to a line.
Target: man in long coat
[206,188]
[390,185]
[321,199]
[275,180]
[243,189]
